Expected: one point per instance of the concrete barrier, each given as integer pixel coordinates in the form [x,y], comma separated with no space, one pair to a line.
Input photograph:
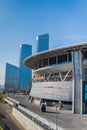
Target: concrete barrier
[25,121]
[32,121]
[28,119]
[13,100]
[9,102]
[45,124]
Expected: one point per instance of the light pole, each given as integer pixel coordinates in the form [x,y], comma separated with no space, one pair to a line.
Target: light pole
[56,116]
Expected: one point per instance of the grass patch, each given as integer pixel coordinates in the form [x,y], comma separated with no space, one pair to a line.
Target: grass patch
[2,96]
[1,128]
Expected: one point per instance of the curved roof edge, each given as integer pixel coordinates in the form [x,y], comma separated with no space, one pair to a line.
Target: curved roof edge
[72,47]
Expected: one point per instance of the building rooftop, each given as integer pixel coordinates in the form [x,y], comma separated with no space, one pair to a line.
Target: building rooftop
[29,61]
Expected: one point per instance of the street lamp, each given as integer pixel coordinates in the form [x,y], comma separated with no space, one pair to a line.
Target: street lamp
[56,116]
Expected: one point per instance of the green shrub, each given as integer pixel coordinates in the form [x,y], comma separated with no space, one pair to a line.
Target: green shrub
[2,96]
[1,128]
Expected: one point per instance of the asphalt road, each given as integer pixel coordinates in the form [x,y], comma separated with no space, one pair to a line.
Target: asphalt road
[50,114]
[6,122]
[65,119]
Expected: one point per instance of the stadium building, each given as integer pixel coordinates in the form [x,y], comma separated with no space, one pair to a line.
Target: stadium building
[61,75]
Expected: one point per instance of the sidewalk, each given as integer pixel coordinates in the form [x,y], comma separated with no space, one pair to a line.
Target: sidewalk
[70,121]
[65,119]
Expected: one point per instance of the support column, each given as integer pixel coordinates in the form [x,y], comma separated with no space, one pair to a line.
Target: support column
[77,91]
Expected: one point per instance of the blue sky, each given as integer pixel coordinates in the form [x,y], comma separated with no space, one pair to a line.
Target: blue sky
[22,20]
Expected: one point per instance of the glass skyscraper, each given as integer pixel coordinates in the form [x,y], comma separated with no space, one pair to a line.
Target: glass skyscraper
[42,42]
[11,77]
[25,74]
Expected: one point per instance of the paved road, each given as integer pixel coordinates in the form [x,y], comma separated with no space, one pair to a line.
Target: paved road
[65,119]
[7,122]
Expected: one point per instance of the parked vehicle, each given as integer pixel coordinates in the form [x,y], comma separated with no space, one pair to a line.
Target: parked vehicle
[43,107]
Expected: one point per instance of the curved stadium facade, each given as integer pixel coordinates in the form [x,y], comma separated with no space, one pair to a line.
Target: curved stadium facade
[60,75]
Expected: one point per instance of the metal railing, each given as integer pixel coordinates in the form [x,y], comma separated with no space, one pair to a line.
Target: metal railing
[45,124]
[37,119]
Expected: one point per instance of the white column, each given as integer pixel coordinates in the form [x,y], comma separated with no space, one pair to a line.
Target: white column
[77,100]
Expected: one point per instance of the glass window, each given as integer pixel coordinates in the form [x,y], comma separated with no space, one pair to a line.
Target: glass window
[36,65]
[40,64]
[52,60]
[85,87]
[84,54]
[62,58]
[85,96]
[69,57]
[45,62]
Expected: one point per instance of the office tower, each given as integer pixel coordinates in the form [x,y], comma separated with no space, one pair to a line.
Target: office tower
[11,78]
[42,42]
[25,74]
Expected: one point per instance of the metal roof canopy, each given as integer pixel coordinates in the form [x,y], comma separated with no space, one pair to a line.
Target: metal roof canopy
[29,61]
[54,69]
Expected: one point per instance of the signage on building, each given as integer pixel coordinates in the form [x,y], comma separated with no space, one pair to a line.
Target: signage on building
[85,91]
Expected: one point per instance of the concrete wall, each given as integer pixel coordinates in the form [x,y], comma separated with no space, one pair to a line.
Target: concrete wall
[52,90]
[25,121]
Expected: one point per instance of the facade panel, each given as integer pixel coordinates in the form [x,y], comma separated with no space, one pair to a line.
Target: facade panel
[11,77]
[25,73]
[42,42]
[52,90]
